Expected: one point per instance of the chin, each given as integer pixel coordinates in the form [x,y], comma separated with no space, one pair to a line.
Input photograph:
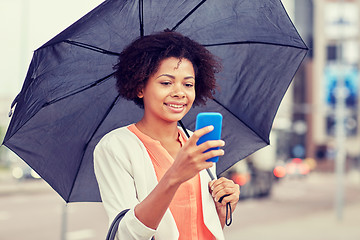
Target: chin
[176,118]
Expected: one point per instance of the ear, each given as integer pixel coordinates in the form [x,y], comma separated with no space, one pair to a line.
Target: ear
[140,93]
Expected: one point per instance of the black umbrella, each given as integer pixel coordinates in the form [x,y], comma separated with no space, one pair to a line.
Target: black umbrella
[69,100]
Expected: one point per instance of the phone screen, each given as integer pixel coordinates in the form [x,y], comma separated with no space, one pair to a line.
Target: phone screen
[206,119]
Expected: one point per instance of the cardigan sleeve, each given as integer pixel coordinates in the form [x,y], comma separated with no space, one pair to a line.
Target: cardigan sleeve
[114,173]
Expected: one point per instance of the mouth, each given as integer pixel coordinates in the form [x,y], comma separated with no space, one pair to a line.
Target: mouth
[176,107]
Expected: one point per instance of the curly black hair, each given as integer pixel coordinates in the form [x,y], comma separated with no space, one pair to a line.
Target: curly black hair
[138,61]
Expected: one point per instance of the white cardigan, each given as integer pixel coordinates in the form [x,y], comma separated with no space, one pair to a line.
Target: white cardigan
[126,176]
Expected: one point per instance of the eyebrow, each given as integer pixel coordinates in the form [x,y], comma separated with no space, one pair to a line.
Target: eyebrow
[173,77]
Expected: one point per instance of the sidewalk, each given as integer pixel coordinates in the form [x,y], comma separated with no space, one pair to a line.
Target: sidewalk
[9,185]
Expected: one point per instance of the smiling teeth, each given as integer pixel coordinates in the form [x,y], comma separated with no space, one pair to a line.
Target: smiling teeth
[175,106]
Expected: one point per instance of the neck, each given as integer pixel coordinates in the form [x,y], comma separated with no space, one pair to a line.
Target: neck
[159,131]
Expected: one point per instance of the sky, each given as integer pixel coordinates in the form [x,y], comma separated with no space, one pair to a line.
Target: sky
[25,25]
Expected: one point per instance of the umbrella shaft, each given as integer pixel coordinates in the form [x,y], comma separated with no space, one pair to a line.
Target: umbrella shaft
[210,174]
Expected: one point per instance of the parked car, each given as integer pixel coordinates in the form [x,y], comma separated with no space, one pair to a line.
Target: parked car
[255,174]
[21,171]
[296,167]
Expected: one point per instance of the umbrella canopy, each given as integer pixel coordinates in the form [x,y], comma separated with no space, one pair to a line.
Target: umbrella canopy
[69,99]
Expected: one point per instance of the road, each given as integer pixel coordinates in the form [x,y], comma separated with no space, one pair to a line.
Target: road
[300,209]
[297,209]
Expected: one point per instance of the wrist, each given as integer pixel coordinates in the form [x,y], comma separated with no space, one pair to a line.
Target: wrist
[171,180]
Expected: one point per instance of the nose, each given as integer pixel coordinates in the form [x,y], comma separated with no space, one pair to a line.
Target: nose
[178,91]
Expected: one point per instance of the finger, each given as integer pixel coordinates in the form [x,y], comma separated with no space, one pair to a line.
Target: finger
[211,183]
[219,192]
[199,133]
[221,183]
[210,154]
[222,197]
[232,199]
[206,165]
[223,187]
[211,144]
[223,192]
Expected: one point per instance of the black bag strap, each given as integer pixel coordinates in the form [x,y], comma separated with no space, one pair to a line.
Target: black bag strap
[115,225]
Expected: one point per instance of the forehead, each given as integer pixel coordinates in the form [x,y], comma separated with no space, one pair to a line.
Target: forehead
[173,64]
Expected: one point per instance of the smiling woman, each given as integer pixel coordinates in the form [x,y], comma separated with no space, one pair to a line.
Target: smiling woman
[150,167]
[170,92]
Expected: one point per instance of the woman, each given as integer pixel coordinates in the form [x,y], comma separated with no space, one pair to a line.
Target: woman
[150,167]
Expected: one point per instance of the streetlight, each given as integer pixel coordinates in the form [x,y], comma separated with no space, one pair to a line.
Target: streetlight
[340,111]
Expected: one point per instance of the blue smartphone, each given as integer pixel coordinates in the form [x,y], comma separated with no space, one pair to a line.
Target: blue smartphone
[206,119]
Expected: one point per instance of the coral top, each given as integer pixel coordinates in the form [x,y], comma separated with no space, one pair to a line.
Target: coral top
[186,206]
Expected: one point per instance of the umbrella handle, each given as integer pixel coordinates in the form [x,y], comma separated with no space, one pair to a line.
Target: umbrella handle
[228,210]
[228,220]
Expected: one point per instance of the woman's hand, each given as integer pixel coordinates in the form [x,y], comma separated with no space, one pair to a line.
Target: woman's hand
[191,159]
[221,187]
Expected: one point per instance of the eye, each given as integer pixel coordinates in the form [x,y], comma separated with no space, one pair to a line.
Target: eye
[165,83]
[189,85]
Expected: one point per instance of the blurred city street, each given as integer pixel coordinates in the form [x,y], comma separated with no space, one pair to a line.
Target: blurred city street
[304,185]
[298,208]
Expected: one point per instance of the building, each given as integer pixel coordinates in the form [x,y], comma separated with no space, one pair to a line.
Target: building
[306,122]
[335,65]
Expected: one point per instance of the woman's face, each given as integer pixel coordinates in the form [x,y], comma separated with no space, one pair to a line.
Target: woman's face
[170,92]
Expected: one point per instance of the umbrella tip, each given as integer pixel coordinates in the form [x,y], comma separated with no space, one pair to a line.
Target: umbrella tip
[13,105]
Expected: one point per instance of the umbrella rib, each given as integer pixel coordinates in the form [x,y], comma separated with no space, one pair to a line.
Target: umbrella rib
[79,90]
[141,17]
[90,47]
[188,15]
[265,140]
[252,42]
[87,144]
[68,95]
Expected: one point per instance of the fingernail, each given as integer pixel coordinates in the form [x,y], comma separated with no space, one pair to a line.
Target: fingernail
[211,127]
